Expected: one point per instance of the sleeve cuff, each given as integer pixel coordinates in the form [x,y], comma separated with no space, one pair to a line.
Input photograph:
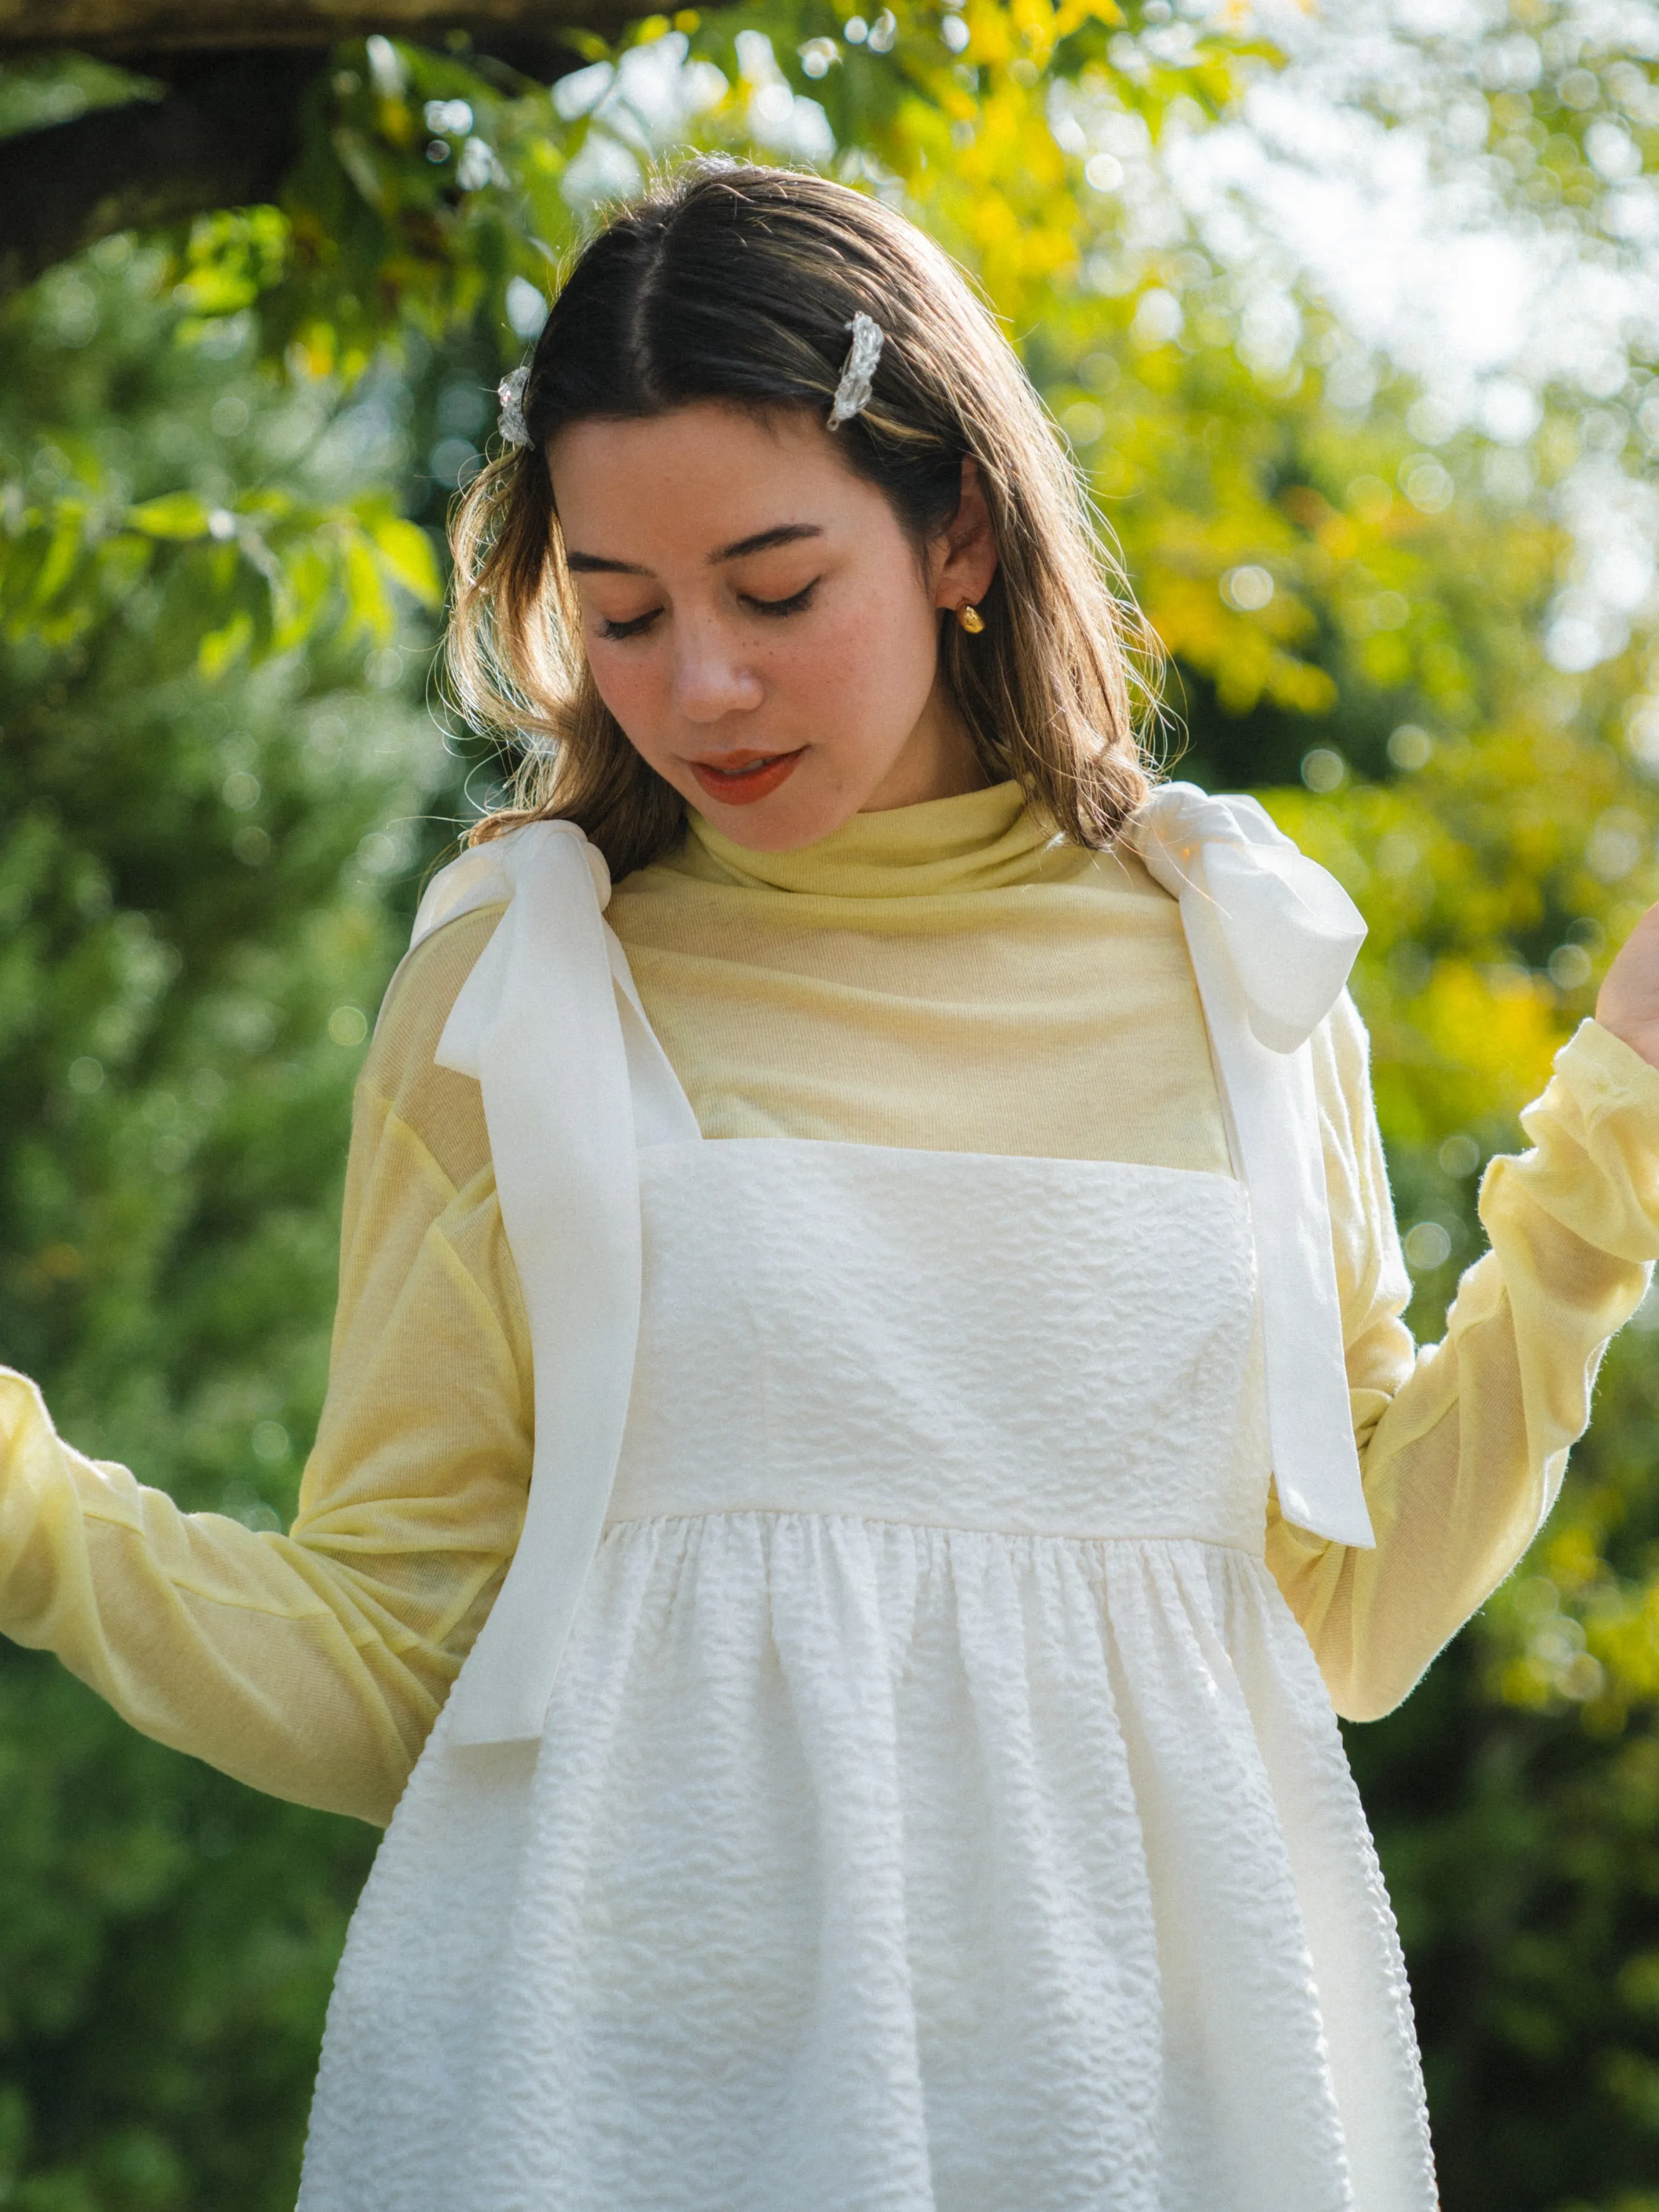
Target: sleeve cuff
[1606,1071]
[1594,1165]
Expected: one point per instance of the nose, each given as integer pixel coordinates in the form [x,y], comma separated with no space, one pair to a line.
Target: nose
[711,680]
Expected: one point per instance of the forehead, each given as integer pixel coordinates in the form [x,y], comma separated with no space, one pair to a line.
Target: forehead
[699,477]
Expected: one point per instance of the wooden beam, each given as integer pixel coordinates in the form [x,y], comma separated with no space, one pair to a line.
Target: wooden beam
[118,29]
[225,129]
[225,141]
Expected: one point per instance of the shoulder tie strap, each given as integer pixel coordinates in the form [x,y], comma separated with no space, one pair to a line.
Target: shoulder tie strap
[539,1023]
[1272,937]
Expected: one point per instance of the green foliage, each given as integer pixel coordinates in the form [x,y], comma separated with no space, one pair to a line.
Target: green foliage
[224,459]
[39,91]
[1520,1857]
[259,549]
[195,850]
[167,1943]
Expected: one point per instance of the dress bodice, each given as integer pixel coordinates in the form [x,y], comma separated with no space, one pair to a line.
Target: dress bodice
[1049,1347]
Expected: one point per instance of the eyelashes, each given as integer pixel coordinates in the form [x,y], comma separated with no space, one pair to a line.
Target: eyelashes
[774,610]
[796,604]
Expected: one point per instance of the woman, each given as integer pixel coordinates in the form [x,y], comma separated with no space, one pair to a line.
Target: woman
[896,1770]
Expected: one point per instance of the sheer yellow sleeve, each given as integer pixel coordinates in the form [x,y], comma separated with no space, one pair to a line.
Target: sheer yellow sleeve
[312,1665]
[1463,1442]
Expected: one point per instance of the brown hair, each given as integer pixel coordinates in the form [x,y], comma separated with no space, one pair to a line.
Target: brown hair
[737,284]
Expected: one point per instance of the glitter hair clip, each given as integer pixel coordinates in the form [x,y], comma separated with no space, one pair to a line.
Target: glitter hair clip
[514,430]
[858,369]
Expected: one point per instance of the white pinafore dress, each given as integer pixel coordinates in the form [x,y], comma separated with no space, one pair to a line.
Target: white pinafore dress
[891,1779]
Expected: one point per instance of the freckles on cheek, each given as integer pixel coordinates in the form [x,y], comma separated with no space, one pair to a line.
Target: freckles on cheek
[850,660]
[828,669]
[625,689]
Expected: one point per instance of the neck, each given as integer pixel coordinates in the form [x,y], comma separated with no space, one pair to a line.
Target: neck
[937,760]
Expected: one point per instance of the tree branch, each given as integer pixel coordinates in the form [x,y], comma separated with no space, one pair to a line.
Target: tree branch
[224,139]
[118,29]
[227,129]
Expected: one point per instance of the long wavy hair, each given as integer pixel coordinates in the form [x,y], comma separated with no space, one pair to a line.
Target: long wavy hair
[737,284]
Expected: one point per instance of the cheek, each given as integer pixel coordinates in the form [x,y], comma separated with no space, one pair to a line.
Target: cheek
[879,647]
[634,685]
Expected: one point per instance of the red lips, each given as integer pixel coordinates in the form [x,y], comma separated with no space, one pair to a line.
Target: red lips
[739,779]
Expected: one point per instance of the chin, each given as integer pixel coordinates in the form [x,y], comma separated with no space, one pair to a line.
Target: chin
[789,818]
[766,829]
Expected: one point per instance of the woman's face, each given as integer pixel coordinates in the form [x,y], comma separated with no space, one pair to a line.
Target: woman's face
[757,622]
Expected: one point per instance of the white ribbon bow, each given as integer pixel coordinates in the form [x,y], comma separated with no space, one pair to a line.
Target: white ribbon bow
[569,1092]
[1272,937]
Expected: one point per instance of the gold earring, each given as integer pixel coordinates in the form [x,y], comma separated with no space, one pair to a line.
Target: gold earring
[971,620]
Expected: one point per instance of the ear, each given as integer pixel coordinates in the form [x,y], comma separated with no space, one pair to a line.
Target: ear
[965,551]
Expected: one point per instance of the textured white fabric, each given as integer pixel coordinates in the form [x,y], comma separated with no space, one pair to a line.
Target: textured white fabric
[1062,1403]
[938,1809]
[1272,937]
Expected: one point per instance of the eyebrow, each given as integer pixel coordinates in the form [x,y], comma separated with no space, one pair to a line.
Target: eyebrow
[786,533]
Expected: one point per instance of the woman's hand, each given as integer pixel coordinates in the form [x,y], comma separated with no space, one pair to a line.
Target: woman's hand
[1628,1000]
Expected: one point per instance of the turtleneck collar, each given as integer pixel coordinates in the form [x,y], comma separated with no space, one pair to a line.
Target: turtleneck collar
[977,841]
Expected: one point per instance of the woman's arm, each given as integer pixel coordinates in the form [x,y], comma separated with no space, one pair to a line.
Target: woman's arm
[1463,1443]
[312,1665]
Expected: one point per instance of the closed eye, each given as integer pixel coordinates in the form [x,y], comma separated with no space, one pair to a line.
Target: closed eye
[636,628]
[795,603]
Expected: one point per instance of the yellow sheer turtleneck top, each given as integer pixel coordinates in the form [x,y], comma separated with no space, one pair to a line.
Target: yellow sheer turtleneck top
[945,976]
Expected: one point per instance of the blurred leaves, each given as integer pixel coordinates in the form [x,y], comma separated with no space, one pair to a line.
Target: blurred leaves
[225,457]
[202,802]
